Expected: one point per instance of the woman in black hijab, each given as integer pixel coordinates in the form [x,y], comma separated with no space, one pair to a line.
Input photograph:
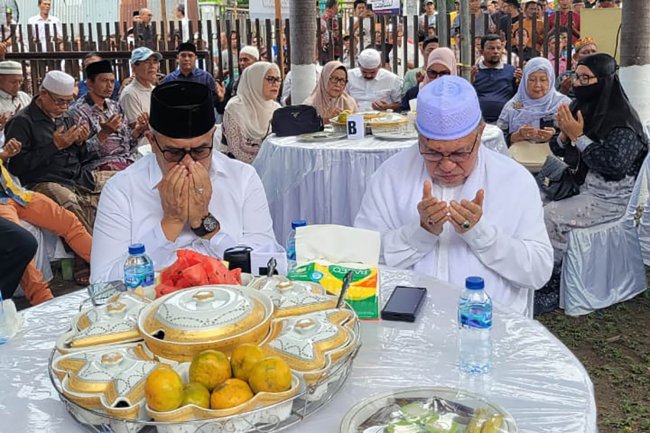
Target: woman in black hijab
[602,135]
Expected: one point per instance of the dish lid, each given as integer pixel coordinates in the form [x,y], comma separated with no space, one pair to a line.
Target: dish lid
[206,313]
[114,374]
[292,298]
[115,321]
[305,341]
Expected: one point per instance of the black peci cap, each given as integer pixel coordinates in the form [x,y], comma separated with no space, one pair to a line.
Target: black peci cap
[186,46]
[181,109]
[99,67]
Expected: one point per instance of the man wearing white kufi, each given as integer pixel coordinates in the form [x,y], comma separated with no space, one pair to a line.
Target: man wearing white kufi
[12,99]
[451,208]
[372,86]
[53,153]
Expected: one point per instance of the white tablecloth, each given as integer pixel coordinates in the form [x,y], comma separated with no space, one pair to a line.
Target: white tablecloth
[325,182]
[535,377]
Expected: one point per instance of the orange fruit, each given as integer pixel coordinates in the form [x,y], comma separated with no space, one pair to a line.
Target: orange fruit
[243,358]
[210,368]
[196,394]
[271,374]
[230,393]
[163,389]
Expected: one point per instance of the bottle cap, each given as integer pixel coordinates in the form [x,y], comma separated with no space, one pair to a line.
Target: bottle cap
[136,249]
[298,223]
[474,283]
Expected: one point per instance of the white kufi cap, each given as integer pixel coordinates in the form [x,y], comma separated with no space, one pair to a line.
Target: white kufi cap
[369,58]
[59,82]
[448,109]
[9,67]
[251,51]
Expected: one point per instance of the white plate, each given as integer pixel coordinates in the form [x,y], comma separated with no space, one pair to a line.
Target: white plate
[396,135]
[366,408]
[316,137]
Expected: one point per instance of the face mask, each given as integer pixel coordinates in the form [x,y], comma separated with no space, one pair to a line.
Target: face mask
[587,93]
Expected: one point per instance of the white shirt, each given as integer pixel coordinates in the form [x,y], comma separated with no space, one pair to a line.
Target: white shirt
[52,22]
[509,246]
[385,86]
[10,104]
[135,99]
[130,211]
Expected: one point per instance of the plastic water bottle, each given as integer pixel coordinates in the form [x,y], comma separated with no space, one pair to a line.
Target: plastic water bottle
[291,243]
[4,325]
[475,322]
[138,268]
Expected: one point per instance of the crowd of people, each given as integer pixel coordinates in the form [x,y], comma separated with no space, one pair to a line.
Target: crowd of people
[71,160]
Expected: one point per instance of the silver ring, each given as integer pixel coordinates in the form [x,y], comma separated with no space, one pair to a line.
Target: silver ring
[199,190]
[466,224]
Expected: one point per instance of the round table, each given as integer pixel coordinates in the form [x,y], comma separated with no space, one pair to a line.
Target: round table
[324,182]
[535,377]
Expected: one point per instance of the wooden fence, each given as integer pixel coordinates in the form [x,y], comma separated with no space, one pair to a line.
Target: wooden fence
[68,44]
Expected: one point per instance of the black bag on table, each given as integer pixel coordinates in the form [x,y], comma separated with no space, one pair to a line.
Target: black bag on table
[296,120]
[557,180]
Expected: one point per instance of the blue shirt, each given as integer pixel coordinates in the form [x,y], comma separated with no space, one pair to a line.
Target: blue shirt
[197,76]
[494,87]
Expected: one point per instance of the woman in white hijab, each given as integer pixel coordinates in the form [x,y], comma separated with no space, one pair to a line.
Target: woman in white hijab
[247,117]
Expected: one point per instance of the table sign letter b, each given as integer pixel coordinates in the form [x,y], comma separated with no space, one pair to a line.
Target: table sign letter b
[356,128]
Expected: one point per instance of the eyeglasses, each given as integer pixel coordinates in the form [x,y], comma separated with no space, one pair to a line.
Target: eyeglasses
[456,157]
[177,155]
[60,102]
[435,74]
[273,80]
[582,79]
[335,80]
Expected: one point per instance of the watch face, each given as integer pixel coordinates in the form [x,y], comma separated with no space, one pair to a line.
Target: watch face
[210,223]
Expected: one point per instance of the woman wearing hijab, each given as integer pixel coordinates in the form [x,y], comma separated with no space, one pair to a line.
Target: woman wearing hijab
[603,133]
[442,61]
[530,114]
[329,97]
[247,117]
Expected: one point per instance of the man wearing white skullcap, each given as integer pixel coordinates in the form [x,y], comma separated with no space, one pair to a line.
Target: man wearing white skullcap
[53,152]
[372,86]
[12,99]
[247,56]
[451,208]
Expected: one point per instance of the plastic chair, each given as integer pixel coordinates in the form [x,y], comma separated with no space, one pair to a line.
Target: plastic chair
[603,264]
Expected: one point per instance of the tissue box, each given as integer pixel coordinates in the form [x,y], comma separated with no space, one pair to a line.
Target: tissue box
[362,295]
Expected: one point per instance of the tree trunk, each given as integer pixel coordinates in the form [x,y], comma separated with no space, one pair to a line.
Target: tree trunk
[635,55]
[303,46]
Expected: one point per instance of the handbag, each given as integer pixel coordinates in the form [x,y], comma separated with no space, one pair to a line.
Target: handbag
[296,120]
[557,180]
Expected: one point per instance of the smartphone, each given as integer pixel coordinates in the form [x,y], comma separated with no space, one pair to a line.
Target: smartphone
[404,303]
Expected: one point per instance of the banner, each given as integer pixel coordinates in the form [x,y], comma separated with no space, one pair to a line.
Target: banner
[385,7]
[265,9]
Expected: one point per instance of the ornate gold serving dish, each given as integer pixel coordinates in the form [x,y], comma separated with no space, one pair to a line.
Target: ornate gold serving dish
[109,379]
[313,343]
[292,298]
[180,325]
[114,322]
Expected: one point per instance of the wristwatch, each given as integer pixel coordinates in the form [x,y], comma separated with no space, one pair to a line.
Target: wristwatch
[208,225]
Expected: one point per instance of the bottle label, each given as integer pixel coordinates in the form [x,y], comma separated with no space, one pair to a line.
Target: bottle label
[133,280]
[476,316]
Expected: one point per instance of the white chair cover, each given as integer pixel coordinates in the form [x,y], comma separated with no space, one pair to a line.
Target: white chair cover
[603,265]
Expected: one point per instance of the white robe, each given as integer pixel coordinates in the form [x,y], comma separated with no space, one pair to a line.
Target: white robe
[509,247]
